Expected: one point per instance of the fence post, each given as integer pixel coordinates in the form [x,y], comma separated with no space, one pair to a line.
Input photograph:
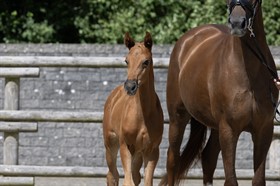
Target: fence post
[11,102]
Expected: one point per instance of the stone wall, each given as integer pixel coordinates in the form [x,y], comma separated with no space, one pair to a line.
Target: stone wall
[85,89]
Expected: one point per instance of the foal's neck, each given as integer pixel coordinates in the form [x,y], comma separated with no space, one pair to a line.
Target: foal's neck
[146,93]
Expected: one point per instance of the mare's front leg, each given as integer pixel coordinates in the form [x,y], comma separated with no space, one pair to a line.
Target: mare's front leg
[262,138]
[126,158]
[228,140]
[210,157]
[150,162]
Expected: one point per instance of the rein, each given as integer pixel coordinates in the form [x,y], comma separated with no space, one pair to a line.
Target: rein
[253,9]
[274,74]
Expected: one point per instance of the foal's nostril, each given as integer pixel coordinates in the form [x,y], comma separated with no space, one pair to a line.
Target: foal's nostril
[133,87]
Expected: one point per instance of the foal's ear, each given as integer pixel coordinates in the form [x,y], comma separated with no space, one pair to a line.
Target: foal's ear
[148,42]
[128,41]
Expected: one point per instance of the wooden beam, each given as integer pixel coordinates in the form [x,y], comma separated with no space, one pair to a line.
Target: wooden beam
[67,171]
[50,116]
[71,61]
[16,181]
[19,72]
[51,171]
[78,61]
[18,126]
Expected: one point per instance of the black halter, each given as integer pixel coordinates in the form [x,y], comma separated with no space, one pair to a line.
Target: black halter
[246,5]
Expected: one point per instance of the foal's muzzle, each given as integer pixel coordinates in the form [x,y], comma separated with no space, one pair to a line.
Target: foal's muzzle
[131,86]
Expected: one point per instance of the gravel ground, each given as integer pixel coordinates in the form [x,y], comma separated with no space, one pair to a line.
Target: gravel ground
[43,181]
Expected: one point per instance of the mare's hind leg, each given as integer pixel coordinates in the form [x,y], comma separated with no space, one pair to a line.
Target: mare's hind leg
[209,157]
[178,121]
[178,118]
[262,139]
[112,147]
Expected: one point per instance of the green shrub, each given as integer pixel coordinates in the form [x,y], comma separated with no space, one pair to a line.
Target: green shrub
[271,15]
[22,28]
[103,21]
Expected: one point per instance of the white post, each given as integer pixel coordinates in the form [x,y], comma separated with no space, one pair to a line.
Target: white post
[11,102]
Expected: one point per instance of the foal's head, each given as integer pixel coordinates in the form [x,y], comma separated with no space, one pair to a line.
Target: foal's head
[139,62]
[241,15]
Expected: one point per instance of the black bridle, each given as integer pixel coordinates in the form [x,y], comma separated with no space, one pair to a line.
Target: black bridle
[246,5]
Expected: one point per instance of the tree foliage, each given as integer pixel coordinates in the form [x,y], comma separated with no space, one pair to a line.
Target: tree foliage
[103,21]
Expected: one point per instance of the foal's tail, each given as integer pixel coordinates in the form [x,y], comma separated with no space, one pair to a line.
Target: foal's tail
[192,150]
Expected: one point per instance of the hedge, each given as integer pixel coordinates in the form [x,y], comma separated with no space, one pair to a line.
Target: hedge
[103,21]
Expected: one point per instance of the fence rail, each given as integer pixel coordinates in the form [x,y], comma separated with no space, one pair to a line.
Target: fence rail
[77,61]
[19,72]
[87,62]
[67,171]
[13,121]
[50,116]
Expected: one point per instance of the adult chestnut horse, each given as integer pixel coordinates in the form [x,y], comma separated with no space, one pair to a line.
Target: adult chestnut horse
[221,77]
[133,118]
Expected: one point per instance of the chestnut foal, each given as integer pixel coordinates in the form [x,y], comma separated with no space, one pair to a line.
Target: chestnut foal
[133,118]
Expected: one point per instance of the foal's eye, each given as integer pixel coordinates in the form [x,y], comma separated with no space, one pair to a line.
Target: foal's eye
[145,64]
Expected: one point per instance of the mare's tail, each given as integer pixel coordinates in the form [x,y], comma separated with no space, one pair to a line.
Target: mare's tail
[192,150]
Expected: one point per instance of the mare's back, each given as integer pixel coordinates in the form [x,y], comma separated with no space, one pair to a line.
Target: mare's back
[201,42]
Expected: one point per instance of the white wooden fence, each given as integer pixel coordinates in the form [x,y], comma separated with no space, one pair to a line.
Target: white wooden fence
[13,121]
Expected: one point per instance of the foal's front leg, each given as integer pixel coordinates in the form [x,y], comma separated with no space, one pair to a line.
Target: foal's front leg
[150,161]
[126,158]
[137,162]
[111,158]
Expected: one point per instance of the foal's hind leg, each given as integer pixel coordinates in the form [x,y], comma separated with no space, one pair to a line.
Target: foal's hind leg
[262,140]
[112,147]
[209,157]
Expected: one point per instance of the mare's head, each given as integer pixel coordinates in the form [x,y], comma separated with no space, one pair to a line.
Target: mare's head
[241,15]
[139,62]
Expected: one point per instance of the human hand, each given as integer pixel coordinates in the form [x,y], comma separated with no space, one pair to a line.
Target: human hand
[277,83]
